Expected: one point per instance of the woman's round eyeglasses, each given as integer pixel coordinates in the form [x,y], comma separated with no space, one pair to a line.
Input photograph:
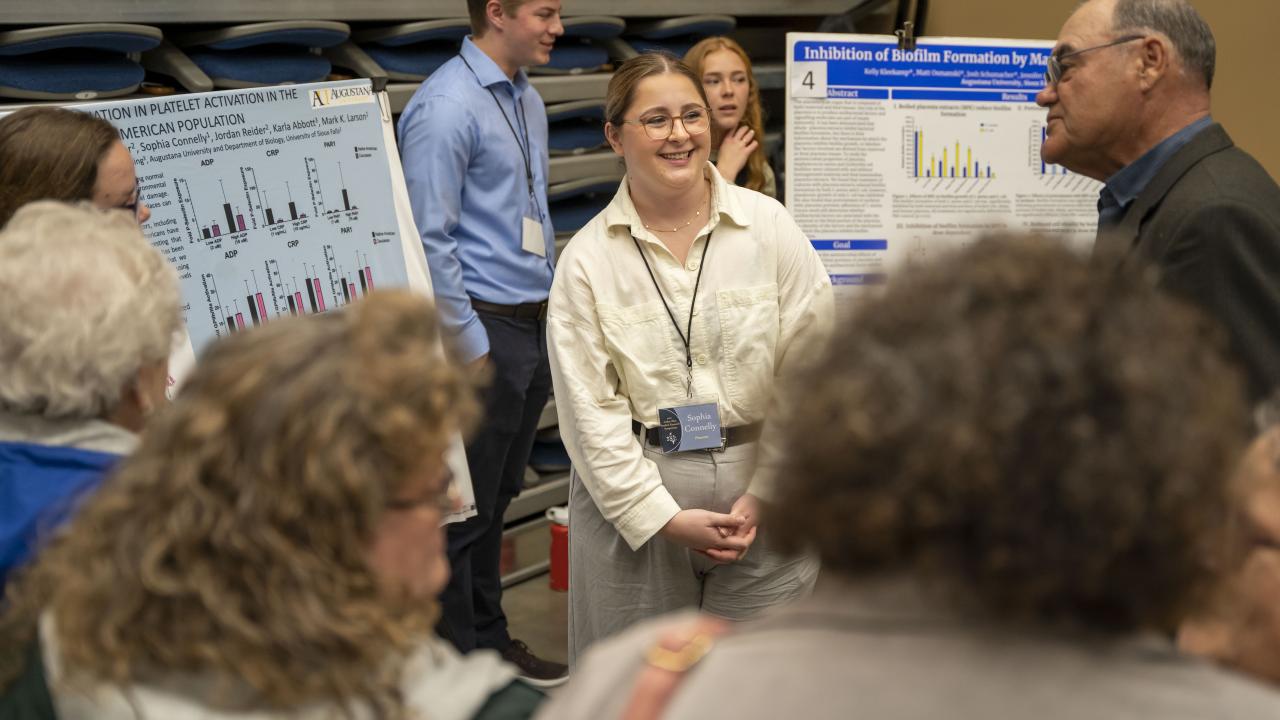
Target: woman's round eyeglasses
[659,127]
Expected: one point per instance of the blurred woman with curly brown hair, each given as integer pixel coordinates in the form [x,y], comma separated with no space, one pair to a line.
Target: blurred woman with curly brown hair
[1014,471]
[273,548]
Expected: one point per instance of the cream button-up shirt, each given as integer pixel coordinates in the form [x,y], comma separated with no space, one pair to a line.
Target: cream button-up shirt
[616,356]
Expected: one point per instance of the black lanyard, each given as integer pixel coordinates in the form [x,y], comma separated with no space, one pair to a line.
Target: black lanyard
[525,150]
[687,335]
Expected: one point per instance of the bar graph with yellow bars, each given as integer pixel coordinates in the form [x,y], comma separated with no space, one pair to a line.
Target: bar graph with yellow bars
[949,164]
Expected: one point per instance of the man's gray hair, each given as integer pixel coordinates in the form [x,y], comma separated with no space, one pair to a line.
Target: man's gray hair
[1177,20]
[86,303]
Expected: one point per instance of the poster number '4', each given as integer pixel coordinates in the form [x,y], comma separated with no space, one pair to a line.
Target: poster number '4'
[809,79]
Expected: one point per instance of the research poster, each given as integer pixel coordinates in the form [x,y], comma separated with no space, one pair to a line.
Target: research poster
[269,202]
[895,155]
[273,202]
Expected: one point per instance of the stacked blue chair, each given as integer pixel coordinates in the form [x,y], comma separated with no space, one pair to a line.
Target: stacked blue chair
[268,53]
[583,47]
[74,62]
[575,202]
[677,35]
[412,51]
[576,127]
[584,172]
[548,454]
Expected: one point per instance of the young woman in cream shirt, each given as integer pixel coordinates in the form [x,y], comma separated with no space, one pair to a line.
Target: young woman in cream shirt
[685,290]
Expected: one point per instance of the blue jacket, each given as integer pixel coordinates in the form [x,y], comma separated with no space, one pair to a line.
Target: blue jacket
[39,485]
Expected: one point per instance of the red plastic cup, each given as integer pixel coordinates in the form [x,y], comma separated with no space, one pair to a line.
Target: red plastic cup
[559,549]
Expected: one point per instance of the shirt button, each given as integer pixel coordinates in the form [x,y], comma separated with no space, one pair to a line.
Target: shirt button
[693,264]
[702,359]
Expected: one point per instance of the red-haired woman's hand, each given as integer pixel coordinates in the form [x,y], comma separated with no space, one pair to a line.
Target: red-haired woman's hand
[734,151]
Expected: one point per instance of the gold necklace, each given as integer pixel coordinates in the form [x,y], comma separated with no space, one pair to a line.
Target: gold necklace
[677,228]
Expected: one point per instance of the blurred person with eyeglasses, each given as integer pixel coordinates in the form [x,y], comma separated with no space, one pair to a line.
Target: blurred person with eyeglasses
[1127,89]
[1241,627]
[672,312]
[274,547]
[51,153]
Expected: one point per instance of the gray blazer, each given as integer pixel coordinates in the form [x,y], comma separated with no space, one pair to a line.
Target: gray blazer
[1209,223]
[888,652]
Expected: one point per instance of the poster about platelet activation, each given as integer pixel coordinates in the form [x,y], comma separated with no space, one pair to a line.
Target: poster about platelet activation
[272,202]
[894,155]
[269,202]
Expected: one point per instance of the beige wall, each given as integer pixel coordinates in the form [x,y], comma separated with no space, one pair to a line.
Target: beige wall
[1245,86]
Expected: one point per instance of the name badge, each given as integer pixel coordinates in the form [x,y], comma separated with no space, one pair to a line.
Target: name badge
[695,426]
[533,240]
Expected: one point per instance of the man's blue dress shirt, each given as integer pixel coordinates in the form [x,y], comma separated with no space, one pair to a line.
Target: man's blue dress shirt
[1124,187]
[465,171]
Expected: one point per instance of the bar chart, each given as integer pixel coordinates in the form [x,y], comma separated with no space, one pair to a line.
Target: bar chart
[315,185]
[927,157]
[227,313]
[363,273]
[346,197]
[1039,133]
[315,291]
[343,276]
[227,219]
[269,213]
[1052,177]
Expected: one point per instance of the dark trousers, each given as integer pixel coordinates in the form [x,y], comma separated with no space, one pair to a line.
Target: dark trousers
[471,604]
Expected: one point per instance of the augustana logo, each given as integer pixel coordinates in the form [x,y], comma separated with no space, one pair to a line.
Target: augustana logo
[328,97]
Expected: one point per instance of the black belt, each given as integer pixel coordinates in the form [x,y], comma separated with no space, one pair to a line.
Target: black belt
[732,436]
[523,311]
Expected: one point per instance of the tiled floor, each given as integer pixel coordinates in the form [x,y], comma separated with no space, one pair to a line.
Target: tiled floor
[539,616]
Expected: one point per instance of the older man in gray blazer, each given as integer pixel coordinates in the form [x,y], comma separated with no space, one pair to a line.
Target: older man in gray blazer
[1127,90]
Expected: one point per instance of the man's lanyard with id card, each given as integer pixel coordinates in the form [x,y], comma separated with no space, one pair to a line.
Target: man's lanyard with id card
[695,423]
[532,239]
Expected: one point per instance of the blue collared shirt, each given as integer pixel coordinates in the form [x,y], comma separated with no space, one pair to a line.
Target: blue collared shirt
[465,171]
[1124,187]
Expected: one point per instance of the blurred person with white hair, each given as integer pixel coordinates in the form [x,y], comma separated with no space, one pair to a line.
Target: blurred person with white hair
[89,318]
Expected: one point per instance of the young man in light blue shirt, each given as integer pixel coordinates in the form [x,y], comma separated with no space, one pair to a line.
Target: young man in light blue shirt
[473,141]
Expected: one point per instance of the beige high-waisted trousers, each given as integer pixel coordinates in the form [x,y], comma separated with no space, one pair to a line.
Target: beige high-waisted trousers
[611,586]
